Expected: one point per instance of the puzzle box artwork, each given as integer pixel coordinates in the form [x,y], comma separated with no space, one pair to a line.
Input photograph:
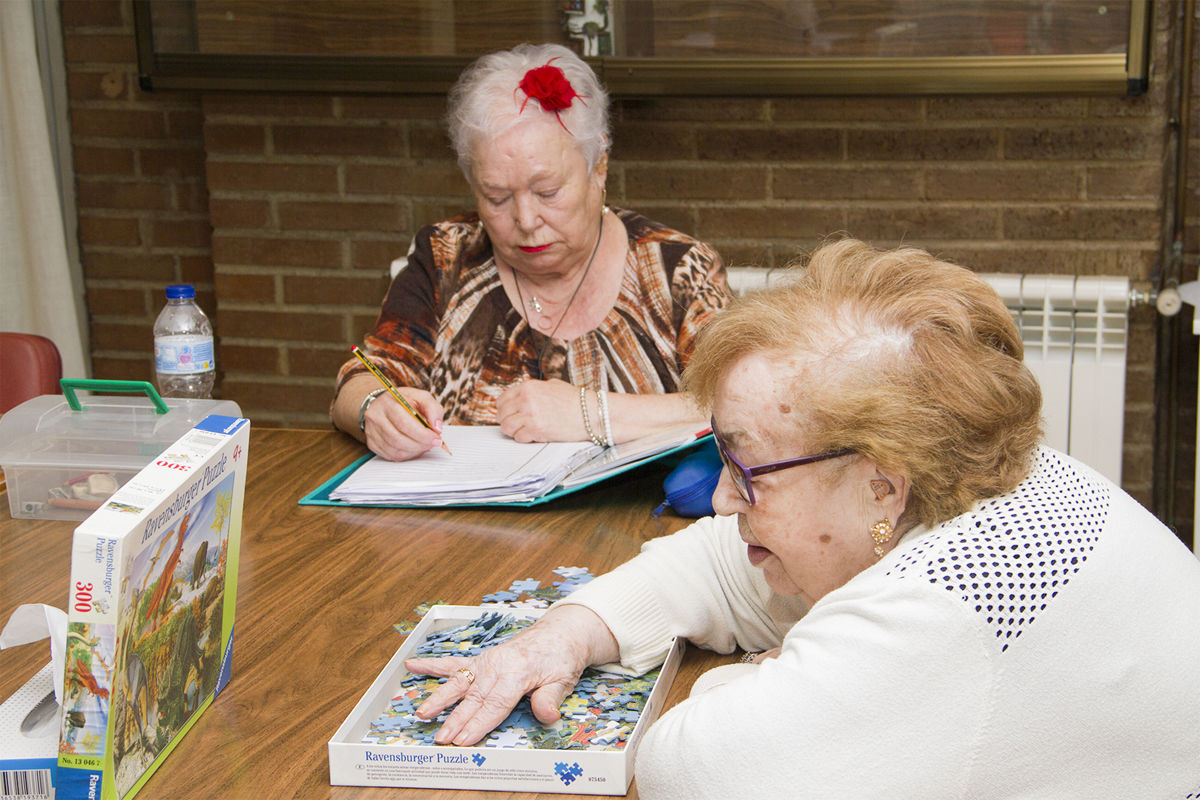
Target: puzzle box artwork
[150,625]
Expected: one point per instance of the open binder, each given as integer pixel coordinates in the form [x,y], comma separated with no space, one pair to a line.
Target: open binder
[488,469]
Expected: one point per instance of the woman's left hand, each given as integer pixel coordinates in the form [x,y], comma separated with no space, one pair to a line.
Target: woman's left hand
[543,411]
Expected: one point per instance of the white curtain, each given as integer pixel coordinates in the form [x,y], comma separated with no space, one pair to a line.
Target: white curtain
[36,291]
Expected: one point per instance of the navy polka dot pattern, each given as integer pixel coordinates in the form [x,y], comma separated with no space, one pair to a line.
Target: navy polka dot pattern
[1011,556]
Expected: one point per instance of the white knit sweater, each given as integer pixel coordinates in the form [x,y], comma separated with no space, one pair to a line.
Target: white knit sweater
[1044,645]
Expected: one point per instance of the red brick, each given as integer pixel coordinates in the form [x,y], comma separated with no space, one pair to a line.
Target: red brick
[276,251]
[769,222]
[377,256]
[635,141]
[91,160]
[1088,224]
[425,212]
[982,109]
[256,397]
[316,362]
[91,13]
[698,183]
[340,216]
[198,270]
[191,195]
[1129,182]
[846,109]
[429,140]
[272,177]
[1009,182]
[919,144]
[109,230]
[195,232]
[309,326]
[98,84]
[229,212]
[233,139]
[117,123]
[1083,142]
[172,161]
[333,290]
[769,144]
[111,48]
[320,140]
[235,287]
[135,337]
[283,106]
[186,124]
[690,109]
[921,223]
[115,368]
[123,302]
[360,324]
[414,179]
[256,359]
[849,182]
[393,107]
[130,264]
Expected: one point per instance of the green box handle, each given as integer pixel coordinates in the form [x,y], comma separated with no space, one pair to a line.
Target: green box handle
[69,385]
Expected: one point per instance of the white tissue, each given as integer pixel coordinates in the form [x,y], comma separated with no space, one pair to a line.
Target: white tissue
[32,622]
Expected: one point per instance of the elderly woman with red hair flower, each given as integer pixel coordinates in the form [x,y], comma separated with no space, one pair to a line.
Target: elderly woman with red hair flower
[546,312]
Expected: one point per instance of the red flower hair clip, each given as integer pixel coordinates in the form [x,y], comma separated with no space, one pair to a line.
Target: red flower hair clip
[549,86]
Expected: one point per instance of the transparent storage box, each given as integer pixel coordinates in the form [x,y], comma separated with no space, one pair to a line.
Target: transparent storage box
[64,455]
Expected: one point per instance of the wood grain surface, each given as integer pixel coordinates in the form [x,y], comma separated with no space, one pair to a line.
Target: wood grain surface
[318,592]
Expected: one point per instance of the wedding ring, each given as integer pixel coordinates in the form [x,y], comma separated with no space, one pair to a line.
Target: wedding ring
[747,658]
[466,673]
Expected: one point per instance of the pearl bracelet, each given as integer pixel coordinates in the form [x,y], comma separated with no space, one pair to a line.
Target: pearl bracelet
[587,423]
[602,395]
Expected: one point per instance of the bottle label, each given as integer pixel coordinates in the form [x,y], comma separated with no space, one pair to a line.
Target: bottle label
[183,355]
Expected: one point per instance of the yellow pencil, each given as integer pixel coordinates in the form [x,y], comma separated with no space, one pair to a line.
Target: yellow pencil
[387,384]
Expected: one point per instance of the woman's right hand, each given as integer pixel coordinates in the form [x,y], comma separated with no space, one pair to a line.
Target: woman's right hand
[394,434]
[544,662]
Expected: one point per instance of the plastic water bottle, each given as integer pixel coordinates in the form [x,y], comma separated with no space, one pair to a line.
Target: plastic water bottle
[184,363]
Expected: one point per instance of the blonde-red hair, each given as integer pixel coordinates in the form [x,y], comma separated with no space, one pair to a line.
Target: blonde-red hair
[912,362]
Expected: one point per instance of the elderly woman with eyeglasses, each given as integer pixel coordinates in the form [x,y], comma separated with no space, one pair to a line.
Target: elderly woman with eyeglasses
[944,607]
[546,312]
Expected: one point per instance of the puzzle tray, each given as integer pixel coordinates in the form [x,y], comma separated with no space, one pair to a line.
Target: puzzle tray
[353,763]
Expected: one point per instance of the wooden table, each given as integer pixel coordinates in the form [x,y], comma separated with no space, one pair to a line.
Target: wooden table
[318,592]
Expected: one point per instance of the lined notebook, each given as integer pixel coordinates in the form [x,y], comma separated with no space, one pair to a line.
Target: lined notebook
[488,468]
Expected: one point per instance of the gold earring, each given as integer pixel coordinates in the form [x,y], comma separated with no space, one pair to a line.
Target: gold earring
[881,532]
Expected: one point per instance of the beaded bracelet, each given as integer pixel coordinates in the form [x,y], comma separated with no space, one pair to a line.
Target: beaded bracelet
[587,423]
[602,395]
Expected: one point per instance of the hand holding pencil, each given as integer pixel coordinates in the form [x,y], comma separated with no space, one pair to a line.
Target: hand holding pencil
[394,392]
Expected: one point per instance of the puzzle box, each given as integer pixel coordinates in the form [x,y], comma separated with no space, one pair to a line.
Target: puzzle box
[150,622]
[356,762]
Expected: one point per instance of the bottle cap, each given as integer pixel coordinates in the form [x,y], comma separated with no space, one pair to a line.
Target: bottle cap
[180,290]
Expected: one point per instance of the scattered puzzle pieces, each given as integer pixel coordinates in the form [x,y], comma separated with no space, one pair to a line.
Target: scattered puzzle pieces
[598,715]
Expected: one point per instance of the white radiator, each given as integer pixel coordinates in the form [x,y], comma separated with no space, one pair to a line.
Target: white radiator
[1075,332]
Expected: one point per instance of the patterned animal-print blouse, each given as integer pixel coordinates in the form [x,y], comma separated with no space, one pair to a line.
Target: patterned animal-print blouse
[447,326]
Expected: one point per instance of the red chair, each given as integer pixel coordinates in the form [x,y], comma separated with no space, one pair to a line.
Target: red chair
[30,365]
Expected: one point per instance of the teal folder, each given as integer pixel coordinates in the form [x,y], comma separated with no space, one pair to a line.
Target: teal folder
[321,495]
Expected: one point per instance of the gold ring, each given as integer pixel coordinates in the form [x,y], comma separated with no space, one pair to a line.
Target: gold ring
[748,658]
[466,673]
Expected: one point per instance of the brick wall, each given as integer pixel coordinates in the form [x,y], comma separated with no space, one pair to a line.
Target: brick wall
[287,209]
[142,199]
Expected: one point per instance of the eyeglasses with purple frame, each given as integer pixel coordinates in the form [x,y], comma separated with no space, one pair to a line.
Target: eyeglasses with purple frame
[741,474]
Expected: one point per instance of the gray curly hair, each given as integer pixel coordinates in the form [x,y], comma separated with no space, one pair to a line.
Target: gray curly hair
[487,102]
